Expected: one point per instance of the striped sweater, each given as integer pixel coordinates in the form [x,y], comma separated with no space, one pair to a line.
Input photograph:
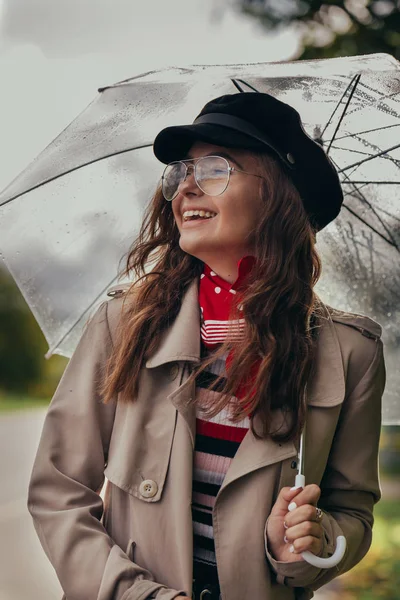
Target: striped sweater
[217,441]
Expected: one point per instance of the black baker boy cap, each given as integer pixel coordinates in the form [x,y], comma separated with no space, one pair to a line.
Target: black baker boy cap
[260,122]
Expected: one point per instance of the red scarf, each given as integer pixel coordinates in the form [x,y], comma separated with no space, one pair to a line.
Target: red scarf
[215,299]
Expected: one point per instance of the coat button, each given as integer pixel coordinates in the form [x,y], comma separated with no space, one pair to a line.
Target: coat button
[173,371]
[148,488]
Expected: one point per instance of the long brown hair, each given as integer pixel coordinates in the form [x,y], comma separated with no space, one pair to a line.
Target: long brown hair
[279,306]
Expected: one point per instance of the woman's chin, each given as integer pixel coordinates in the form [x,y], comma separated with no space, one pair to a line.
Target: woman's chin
[198,246]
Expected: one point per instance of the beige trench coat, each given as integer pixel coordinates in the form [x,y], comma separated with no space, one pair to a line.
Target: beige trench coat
[139,544]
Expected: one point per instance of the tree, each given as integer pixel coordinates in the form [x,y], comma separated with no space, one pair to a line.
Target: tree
[22,345]
[332,28]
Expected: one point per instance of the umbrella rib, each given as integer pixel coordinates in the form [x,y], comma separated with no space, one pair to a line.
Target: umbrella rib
[392,243]
[361,197]
[237,86]
[364,199]
[370,182]
[356,82]
[35,187]
[50,351]
[376,101]
[357,164]
[342,137]
[244,83]
[352,150]
[337,105]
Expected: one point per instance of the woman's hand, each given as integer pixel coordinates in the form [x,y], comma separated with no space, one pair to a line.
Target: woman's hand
[292,532]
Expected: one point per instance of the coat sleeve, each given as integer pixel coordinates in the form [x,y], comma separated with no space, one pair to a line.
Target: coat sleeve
[350,485]
[67,477]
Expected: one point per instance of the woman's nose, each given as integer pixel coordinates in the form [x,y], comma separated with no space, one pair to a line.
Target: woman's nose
[189,185]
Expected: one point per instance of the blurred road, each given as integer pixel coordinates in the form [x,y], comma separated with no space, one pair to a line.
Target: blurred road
[25,572]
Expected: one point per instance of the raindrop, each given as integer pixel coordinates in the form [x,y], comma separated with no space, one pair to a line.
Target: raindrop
[389,314]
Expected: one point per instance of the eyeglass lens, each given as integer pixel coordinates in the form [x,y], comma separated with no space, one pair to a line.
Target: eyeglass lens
[211,175]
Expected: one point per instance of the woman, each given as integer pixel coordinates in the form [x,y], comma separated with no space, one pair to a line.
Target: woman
[189,389]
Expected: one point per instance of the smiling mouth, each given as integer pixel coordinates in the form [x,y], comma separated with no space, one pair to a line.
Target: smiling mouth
[194,215]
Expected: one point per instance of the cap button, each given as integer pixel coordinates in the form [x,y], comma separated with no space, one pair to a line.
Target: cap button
[290,158]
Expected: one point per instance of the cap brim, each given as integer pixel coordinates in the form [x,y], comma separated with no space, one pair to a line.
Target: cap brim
[173,143]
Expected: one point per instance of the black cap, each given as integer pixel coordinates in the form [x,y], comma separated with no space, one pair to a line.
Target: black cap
[260,122]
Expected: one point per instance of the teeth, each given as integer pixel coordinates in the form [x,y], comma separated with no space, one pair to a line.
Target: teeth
[198,213]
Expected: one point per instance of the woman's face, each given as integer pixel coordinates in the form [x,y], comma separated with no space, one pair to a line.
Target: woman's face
[236,212]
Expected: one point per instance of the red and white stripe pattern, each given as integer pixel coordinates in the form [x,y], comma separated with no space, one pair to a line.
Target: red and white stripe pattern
[215,332]
[215,299]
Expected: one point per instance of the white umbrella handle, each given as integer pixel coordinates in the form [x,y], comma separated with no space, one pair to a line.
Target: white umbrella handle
[332,561]
[317,561]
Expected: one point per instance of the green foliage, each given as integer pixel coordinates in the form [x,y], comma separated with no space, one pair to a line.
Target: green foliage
[12,403]
[333,28]
[377,576]
[23,368]
[22,345]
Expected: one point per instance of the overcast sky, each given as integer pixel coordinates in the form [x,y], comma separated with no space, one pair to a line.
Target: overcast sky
[54,54]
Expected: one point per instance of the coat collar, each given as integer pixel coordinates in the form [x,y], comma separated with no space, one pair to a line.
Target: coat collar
[181,342]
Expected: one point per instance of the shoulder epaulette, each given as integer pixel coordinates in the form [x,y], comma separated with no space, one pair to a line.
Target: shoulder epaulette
[365,325]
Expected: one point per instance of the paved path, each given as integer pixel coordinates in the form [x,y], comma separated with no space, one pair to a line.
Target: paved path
[25,572]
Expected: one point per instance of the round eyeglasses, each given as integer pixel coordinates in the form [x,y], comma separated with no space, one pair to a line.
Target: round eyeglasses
[211,174]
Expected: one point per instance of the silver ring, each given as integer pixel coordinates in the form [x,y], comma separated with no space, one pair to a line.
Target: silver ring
[285,526]
[319,514]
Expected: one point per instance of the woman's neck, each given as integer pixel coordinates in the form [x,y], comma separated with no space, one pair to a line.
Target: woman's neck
[232,271]
[227,272]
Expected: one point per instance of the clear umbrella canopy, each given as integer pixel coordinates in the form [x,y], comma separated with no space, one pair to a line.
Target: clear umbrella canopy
[64,240]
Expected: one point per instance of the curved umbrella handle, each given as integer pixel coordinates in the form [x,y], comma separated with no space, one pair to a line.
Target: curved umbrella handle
[317,561]
[332,561]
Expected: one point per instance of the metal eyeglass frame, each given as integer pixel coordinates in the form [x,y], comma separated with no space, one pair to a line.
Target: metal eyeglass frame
[196,161]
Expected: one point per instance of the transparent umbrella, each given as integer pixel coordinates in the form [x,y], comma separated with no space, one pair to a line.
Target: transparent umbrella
[64,229]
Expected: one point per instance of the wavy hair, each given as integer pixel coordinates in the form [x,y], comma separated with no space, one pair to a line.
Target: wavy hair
[278,304]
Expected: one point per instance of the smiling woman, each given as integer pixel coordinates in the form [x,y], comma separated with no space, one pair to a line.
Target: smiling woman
[229,194]
[190,389]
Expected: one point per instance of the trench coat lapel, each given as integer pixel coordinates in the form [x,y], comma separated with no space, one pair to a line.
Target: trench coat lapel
[181,342]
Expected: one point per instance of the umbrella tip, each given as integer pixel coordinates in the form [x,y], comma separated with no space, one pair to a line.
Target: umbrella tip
[317,136]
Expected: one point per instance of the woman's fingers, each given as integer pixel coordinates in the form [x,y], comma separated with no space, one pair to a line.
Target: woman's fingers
[307,512]
[309,495]
[310,543]
[285,497]
[305,529]
[293,526]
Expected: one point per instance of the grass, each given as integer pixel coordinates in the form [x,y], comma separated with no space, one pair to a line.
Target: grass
[13,403]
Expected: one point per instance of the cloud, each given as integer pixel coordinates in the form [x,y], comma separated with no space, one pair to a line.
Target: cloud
[72,27]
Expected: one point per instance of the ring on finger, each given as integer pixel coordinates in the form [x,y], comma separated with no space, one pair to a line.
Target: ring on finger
[285,526]
[319,514]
